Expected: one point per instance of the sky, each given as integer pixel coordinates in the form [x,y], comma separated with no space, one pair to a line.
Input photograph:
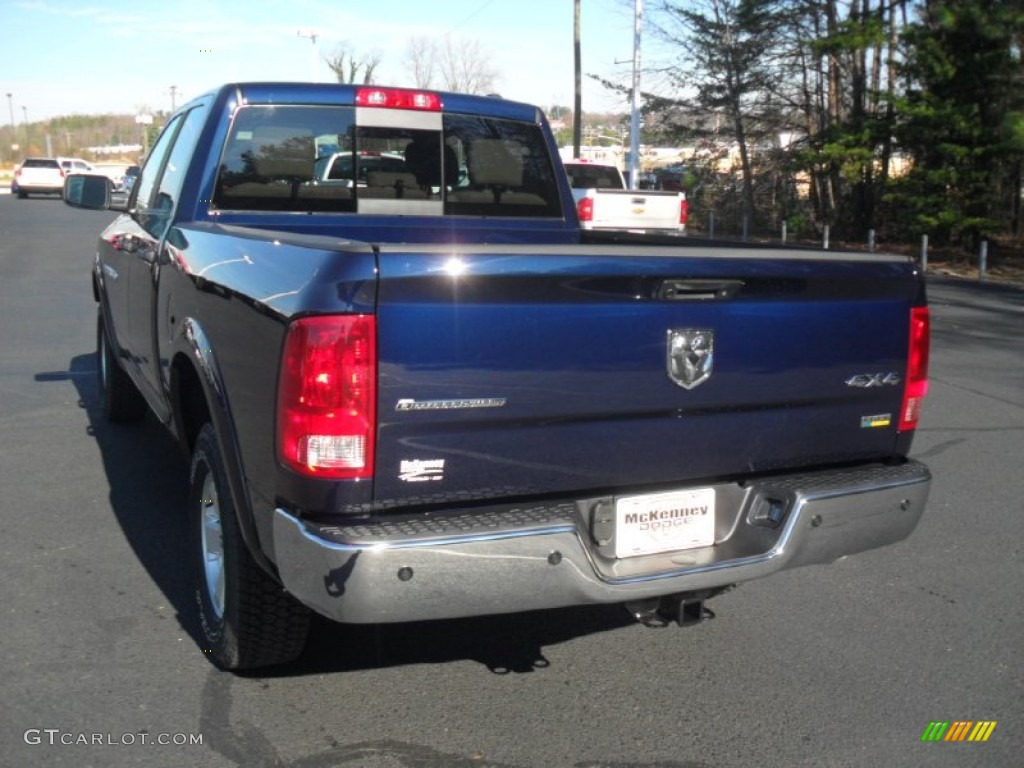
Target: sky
[63,57]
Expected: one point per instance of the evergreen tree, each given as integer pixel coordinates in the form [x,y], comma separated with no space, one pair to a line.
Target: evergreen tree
[725,46]
[962,119]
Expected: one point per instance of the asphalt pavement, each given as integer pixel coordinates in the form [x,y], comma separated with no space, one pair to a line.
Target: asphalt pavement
[840,665]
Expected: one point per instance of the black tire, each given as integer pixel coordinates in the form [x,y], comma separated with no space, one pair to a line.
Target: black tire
[22,195]
[247,620]
[119,397]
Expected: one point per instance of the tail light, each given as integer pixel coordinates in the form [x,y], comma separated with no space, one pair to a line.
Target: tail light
[398,98]
[327,396]
[585,209]
[684,211]
[916,386]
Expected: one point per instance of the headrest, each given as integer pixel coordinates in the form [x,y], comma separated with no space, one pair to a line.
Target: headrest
[492,164]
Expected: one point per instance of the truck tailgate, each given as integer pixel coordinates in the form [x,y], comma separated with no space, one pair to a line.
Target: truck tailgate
[633,209]
[581,367]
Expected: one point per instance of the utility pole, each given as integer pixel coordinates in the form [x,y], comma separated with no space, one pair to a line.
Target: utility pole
[312,35]
[14,135]
[174,91]
[28,139]
[577,104]
[634,100]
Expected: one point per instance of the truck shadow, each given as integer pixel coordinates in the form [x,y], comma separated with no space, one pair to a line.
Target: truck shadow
[148,478]
[504,644]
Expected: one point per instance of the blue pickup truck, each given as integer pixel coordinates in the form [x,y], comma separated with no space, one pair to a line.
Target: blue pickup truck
[416,389]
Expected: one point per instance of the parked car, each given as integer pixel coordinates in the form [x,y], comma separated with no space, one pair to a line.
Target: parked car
[75,165]
[114,172]
[39,175]
[671,179]
[341,166]
[604,202]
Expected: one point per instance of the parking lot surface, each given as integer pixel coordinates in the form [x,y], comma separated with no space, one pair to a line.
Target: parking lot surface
[841,665]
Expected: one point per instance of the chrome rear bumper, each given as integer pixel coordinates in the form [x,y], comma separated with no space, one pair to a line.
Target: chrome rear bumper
[503,559]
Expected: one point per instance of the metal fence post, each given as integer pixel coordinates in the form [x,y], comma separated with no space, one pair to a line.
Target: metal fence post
[783,232]
[871,240]
[924,253]
[711,223]
[983,261]
[825,244]
[746,228]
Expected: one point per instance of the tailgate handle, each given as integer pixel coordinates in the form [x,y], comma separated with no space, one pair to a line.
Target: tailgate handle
[698,290]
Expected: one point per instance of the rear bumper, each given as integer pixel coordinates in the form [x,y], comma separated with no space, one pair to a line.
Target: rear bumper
[503,559]
[40,188]
[659,228]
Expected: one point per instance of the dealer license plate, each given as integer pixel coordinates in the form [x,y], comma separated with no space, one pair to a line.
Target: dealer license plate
[664,522]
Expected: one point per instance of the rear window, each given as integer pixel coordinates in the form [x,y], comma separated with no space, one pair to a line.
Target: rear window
[39,162]
[503,168]
[594,177]
[316,159]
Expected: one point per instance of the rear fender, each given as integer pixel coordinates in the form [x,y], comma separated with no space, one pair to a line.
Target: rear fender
[195,344]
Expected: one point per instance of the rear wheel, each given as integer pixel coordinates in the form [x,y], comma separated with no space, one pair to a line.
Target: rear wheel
[247,618]
[119,396]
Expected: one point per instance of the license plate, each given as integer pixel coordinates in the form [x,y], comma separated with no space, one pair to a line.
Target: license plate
[664,522]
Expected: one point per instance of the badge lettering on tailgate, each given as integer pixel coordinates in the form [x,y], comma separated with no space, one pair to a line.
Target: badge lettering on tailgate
[421,470]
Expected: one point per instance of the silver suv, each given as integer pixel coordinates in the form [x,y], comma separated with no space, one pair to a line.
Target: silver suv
[75,165]
[38,175]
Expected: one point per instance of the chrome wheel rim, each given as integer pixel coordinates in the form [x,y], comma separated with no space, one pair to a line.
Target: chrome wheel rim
[213,545]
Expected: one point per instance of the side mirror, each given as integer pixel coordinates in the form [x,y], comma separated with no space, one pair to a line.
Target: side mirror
[84,190]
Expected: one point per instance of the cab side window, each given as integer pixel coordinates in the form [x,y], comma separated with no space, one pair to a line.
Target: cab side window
[146,182]
[288,158]
[155,211]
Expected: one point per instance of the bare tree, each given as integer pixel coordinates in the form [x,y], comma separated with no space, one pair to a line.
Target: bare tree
[450,63]
[464,67]
[349,67]
[726,45]
[421,61]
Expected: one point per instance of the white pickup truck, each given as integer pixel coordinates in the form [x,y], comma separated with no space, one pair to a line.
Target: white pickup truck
[603,202]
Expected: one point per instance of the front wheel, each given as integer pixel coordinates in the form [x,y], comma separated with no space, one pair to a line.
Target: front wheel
[247,618]
[119,396]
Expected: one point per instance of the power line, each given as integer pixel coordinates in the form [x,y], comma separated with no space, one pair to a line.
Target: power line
[471,16]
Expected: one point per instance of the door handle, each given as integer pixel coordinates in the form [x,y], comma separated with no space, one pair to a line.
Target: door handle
[698,290]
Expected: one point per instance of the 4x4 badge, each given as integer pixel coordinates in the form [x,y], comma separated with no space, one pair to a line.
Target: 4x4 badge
[690,357]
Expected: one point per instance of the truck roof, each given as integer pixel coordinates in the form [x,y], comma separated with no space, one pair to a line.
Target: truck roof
[345,95]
